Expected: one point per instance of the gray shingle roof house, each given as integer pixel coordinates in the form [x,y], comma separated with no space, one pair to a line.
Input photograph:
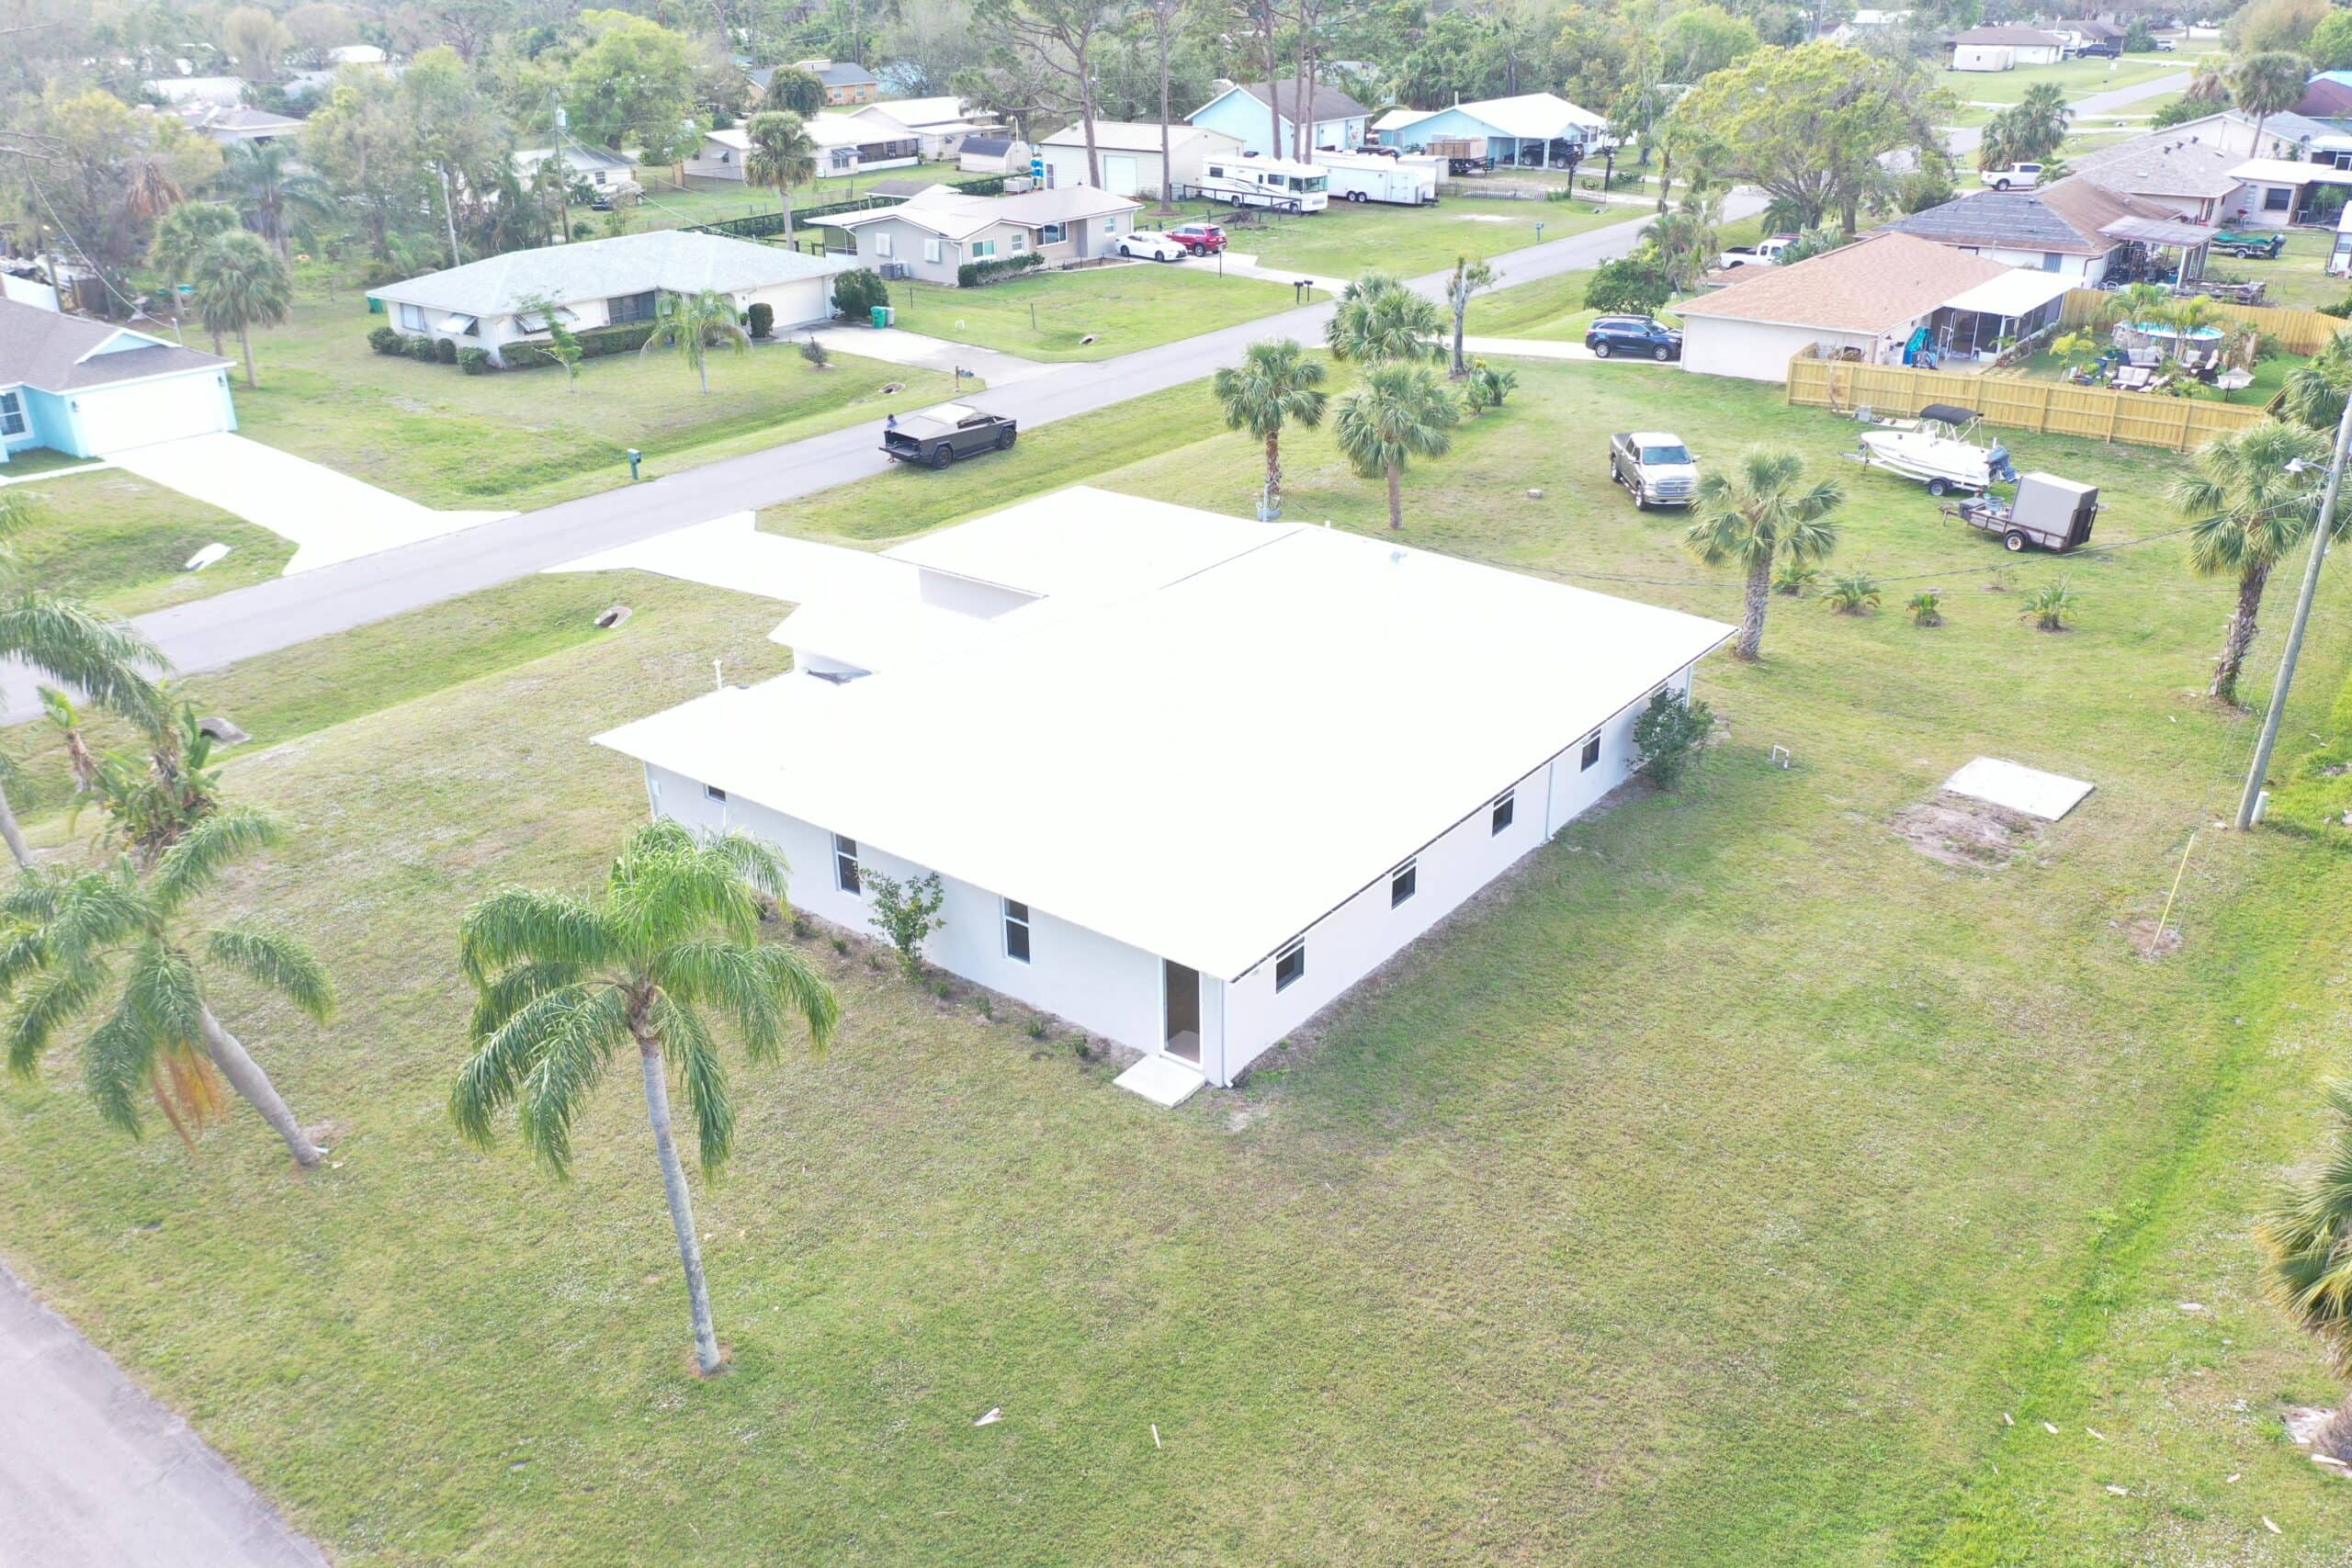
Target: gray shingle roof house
[936,231]
[609,283]
[85,387]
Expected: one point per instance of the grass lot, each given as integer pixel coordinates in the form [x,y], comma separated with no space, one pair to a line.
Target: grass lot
[2081,79]
[116,540]
[667,206]
[1725,1178]
[523,439]
[1346,239]
[1139,305]
[2298,279]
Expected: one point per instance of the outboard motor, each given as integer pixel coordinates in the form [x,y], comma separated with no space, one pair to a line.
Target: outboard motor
[1998,463]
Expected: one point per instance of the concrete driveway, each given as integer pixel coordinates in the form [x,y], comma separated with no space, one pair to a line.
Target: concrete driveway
[96,1474]
[330,516]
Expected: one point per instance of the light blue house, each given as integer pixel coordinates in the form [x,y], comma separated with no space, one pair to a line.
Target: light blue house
[87,387]
[1247,112]
[1535,131]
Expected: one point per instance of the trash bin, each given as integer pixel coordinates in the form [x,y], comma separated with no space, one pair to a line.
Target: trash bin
[882,315]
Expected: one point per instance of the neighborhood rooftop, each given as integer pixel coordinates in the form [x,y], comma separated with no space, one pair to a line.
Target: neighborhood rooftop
[954,214]
[1328,102]
[672,260]
[1880,281]
[1130,136]
[58,353]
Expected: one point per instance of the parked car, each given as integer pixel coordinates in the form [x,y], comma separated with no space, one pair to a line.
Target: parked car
[1655,468]
[1200,239]
[2166,46]
[1632,335]
[2017,176]
[2258,244]
[938,437]
[1149,246]
[2099,49]
[1766,252]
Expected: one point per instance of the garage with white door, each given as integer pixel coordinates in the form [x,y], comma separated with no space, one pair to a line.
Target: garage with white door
[139,414]
[85,387]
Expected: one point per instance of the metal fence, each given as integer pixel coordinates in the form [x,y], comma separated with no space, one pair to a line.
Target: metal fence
[2298,332]
[2054,408]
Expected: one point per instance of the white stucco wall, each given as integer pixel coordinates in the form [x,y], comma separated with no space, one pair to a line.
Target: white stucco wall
[1757,351]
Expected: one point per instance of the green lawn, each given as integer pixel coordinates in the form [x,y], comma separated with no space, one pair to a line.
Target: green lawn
[2298,279]
[525,439]
[1725,1178]
[668,206]
[2080,78]
[30,461]
[1123,308]
[2270,377]
[1346,239]
[112,538]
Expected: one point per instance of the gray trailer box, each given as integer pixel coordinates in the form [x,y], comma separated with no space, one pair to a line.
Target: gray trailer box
[2051,512]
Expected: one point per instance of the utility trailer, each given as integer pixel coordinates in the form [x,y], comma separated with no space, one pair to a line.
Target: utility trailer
[2052,514]
[1406,181]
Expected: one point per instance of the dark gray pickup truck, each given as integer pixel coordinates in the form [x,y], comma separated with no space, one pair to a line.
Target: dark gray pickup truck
[938,437]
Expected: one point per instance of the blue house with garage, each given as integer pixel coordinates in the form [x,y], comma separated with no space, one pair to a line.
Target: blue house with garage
[1247,112]
[86,388]
[1532,131]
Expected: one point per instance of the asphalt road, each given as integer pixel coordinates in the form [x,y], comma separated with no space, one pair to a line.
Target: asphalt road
[1964,140]
[96,1474]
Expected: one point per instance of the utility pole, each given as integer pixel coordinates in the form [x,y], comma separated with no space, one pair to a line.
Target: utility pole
[449,214]
[2255,774]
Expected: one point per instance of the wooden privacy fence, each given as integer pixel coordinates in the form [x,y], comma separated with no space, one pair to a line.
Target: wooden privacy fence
[2298,332]
[2053,408]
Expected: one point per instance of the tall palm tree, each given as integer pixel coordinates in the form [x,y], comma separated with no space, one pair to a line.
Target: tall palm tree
[566,981]
[2251,498]
[2315,389]
[180,239]
[1276,385]
[1685,242]
[76,933]
[1396,413]
[1759,512]
[241,284]
[782,156]
[1380,322]
[2267,84]
[695,324]
[2306,1243]
[275,193]
[2209,83]
[1469,277]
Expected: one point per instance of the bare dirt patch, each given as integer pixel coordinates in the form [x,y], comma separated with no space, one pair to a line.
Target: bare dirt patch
[2149,941]
[1957,831]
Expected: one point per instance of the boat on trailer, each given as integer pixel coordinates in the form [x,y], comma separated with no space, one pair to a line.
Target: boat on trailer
[1939,448]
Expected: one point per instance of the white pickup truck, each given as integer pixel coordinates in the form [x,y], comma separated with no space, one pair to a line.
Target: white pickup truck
[1763,252]
[1655,468]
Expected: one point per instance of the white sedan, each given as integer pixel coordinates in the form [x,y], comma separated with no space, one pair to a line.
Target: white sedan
[1150,246]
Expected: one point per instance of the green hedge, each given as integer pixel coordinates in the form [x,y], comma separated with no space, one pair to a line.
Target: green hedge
[972,274]
[421,350]
[387,339]
[593,344]
[475,361]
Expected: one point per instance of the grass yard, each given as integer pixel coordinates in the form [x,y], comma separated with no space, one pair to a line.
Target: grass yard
[117,541]
[1982,94]
[524,439]
[2270,377]
[669,207]
[2298,279]
[1722,1179]
[1124,308]
[1346,239]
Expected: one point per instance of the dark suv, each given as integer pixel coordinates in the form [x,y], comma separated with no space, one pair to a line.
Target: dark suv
[1200,239]
[1632,335]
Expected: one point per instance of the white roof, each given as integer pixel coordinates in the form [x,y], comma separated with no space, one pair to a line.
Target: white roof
[2014,293]
[672,260]
[2286,171]
[1135,135]
[1546,115]
[1201,767]
[954,214]
[922,112]
[1397,119]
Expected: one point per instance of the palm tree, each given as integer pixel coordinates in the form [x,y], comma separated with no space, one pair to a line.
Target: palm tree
[1396,413]
[2267,84]
[1469,277]
[2314,391]
[241,284]
[2207,85]
[1685,242]
[76,933]
[1275,384]
[2306,1245]
[180,239]
[1760,511]
[565,981]
[695,324]
[2252,498]
[275,193]
[1380,321]
[782,157]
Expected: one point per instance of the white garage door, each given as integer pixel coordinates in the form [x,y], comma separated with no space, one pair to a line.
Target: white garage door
[796,304]
[1119,174]
[144,413]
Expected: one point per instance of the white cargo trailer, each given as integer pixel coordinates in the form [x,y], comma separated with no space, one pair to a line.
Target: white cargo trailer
[1373,177]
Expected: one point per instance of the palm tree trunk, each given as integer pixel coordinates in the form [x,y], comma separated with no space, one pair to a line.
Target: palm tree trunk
[1753,603]
[1461,321]
[245,342]
[14,834]
[682,1210]
[244,1076]
[2238,641]
[1274,469]
[1395,498]
[786,191]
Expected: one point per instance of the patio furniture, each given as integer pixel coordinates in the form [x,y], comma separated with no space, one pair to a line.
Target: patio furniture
[2232,380]
[2135,378]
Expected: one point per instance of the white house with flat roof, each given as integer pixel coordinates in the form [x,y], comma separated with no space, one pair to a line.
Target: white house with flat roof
[1185,779]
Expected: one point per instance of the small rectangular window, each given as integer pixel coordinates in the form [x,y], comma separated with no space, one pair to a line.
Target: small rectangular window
[1016,931]
[1018,243]
[1403,882]
[1290,964]
[882,246]
[930,250]
[1591,753]
[12,415]
[712,792]
[412,318]
[1504,806]
[983,249]
[845,865]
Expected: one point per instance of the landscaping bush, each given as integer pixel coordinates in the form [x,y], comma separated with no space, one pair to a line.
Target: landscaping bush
[421,350]
[474,361]
[857,293]
[593,344]
[762,320]
[445,349]
[908,912]
[971,274]
[1636,285]
[816,354]
[386,340]
[1670,737]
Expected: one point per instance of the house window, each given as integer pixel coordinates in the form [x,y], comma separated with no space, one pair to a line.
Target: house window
[625,308]
[1403,882]
[712,792]
[412,319]
[1019,242]
[12,415]
[1290,964]
[2276,198]
[1591,753]
[930,250]
[845,865]
[1504,806]
[1016,931]
[1051,234]
[1110,225]
[883,245]
[983,249]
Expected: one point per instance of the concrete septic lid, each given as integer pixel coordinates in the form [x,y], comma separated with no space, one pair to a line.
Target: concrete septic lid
[2047,795]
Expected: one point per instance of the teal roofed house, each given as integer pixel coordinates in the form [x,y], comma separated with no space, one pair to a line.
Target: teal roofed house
[1248,112]
[87,387]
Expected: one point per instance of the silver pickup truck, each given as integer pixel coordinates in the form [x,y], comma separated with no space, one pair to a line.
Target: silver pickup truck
[1655,468]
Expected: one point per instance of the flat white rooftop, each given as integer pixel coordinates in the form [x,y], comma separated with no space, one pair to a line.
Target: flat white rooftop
[1203,753]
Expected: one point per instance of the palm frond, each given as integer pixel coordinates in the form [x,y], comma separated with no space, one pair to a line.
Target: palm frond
[505,995]
[755,862]
[162,991]
[206,849]
[279,960]
[117,1062]
[64,639]
[47,1003]
[694,1056]
[520,924]
[545,1061]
